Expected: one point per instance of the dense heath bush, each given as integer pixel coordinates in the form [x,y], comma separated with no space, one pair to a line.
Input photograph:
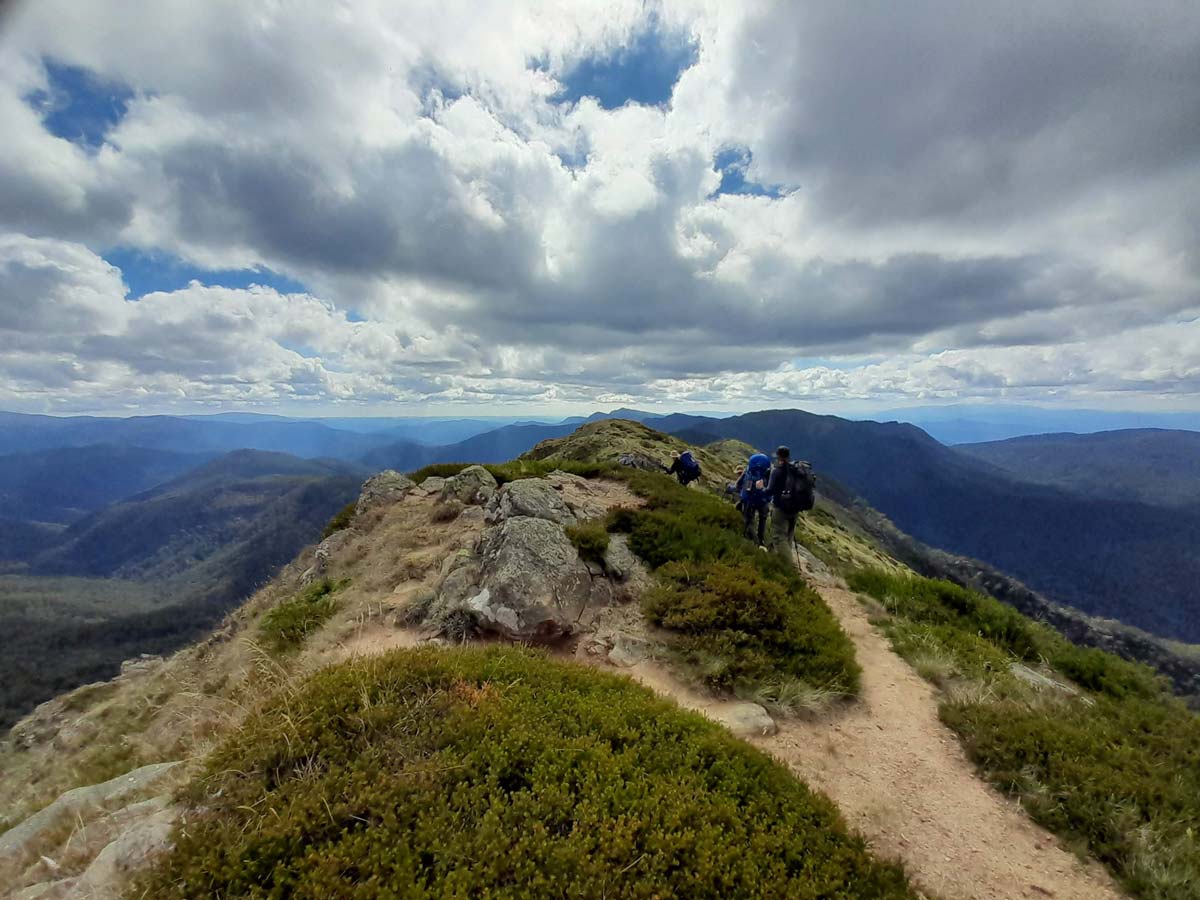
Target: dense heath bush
[1119,775]
[517,468]
[590,539]
[286,626]
[740,619]
[503,774]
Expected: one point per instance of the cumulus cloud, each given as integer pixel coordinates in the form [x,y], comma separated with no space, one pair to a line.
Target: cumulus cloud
[962,202]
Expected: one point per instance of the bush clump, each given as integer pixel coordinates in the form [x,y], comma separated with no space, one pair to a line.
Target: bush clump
[740,619]
[517,469]
[738,628]
[1117,770]
[287,625]
[500,773]
[590,539]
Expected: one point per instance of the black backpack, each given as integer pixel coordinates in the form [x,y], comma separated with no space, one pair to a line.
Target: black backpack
[798,492]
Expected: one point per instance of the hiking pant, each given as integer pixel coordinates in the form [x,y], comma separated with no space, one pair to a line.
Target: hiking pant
[749,511]
[783,533]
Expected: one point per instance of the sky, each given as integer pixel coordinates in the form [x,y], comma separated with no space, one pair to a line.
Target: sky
[366,207]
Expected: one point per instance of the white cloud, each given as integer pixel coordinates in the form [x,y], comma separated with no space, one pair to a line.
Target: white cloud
[995,199]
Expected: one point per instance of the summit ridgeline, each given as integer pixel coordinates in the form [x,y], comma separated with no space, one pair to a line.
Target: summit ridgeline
[569,675]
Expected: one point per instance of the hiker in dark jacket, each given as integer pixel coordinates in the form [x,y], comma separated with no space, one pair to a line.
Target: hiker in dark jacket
[752,486]
[684,467]
[791,490]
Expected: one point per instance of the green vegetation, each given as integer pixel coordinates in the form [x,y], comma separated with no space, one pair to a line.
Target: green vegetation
[341,519]
[741,619]
[741,630]
[286,626]
[1115,770]
[590,539]
[500,773]
[517,468]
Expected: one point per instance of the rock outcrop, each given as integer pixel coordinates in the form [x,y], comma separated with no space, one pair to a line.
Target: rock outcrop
[388,486]
[473,486]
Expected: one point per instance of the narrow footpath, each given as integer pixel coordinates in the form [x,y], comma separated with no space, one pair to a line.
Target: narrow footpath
[902,779]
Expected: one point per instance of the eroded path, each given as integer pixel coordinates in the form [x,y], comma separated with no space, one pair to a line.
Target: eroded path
[902,779]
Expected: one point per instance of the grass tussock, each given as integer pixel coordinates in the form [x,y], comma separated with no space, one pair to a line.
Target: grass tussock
[447,511]
[286,626]
[502,773]
[1115,770]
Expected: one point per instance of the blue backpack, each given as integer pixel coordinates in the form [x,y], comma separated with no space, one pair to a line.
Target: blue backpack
[757,469]
[688,464]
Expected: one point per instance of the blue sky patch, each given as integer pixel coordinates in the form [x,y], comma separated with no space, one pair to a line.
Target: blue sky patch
[644,71]
[146,273]
[78,105]
[733,163]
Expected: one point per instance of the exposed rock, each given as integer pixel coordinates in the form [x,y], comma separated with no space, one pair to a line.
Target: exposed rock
[526,584]
[747,719]
[433,485]
[627,651]
[133,849]
[146,662]
[619,561]
[325,551]
[641,461]
[388,486]
[473,486]
[80,801]
[534,497]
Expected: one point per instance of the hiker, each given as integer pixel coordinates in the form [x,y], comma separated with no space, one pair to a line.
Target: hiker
[752,486]
[684,467]
[791,489]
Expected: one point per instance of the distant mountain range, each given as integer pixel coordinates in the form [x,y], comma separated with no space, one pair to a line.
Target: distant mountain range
[1148,465]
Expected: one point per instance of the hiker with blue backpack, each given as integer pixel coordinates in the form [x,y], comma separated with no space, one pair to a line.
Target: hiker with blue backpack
[684,467]
[792,489]
[752,487]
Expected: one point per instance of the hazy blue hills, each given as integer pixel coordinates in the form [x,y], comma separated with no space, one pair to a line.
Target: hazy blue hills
[1132,561]
[153,569]
[63,484]
[1155,466]
[22,433]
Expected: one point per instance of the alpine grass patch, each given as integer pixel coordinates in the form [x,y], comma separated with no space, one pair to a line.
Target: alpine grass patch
[1114,769]
[501,773]
[286,626]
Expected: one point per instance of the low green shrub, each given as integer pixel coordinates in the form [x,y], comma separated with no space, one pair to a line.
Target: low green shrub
[740,619]
[1116,771]
[590,539]
[286,626]
[738,628]
[341,519]
[518,468]
[503,774]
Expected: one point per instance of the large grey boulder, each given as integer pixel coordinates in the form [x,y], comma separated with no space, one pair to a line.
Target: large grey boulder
[473,486]
[526,584]
[534,497]
[388,486]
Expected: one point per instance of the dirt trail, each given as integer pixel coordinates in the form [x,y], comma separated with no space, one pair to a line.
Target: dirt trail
[901,779]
